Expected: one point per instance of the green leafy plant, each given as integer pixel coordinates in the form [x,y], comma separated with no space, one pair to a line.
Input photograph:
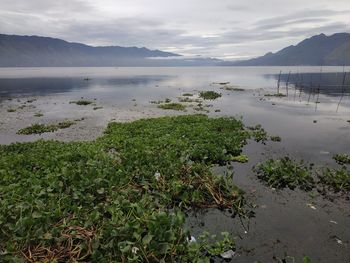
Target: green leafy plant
[285,172]
[336,179]
[342,158]
[121,197]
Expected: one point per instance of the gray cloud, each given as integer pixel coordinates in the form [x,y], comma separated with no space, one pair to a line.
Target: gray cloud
[191,27]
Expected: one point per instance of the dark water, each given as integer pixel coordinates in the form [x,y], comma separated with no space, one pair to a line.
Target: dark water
[313,121]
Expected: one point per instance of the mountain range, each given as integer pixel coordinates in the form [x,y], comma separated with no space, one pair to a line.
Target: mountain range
[35,51]
[318,50]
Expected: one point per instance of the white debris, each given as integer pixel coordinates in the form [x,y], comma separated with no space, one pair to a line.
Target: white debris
[339,241]
[157,175]
[311,206]
[192,239]
[228,254]
[134,250]
[333,222]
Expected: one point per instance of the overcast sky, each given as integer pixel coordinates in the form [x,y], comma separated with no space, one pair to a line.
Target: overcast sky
[227,29]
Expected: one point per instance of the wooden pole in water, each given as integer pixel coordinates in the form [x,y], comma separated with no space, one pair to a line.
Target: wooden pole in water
[278,83]
[342,90]
[287,83]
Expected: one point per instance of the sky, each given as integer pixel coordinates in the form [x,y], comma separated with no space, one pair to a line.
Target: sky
[226,29]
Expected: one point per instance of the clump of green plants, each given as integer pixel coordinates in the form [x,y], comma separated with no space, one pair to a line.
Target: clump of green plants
[43,128]
[97,108]
[187,94]
[11,110]
[275,138]
[38,114]
[172,106]
[285,172]
[342,158]
[186,99]
[275,95]
[259,134]
[232,88]
[209,95]
[240,158]
[81,102]
[122,197]
[336,179]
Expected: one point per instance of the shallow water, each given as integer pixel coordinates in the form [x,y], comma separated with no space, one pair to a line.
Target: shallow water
[313,125]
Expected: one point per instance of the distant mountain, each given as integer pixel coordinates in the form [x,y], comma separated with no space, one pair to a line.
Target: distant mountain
[318,50]
[34,51]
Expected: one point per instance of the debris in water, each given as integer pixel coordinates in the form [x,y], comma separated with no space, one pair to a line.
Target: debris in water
[311,206]
[333,222]
[228,254]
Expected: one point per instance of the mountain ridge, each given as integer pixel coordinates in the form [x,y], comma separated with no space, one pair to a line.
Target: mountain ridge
[333,50]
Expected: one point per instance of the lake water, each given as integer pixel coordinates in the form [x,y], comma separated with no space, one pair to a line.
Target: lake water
[313,121]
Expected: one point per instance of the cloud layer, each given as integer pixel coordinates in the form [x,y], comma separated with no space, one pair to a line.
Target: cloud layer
[225,29]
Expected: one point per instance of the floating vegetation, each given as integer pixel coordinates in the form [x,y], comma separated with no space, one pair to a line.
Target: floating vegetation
[42,128]
[38,114]
[156,102]
[186,99]
[342,158]
[284,172]
[31,100]
[209,95]
[81,102]
[259,133]
[240,158]
[121,197]
[167,100]
[232,88]
[172,106]
[11,110]
[275,95]
[221,83]
[275,138]
[97,108]
[336,179]
[187,94]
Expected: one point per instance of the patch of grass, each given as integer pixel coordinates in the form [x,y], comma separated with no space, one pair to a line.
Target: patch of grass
[187,94]
[342,158]
[209,95]
[43,128]
[284,172]
[121,197]
[275,138]
[172,106]
[81,102]
[11,110]
[336,179]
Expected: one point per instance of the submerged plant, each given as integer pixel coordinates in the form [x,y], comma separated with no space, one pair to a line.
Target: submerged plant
[275,138]
[285,172]
[209,95]
[121,197]
[42,128]
[81,102]
[172,106]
